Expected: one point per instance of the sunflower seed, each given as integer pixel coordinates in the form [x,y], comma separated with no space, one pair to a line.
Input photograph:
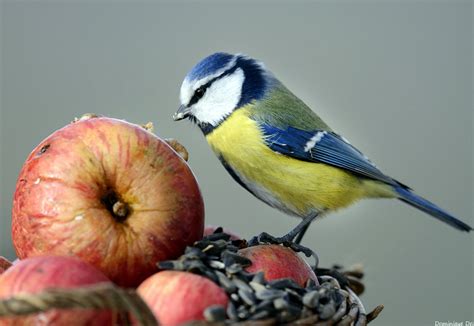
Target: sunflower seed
[218,229]
[212,249]
[293,295]
[242,285]
[171,264]
[231,258]
[218,236]
[257,286]
[216,264]
[232,312]
[326,311]
[283,283]
[262,305]
[340,312]
[235,297]
[225,282]
[310,283]
[310,299]
[280,303]
[167,264]
[211,275]
[269,294]
[239,243]
[242,312]
[195,265]
[194,253]
[258,278]
[290,313]
[247,297]
[215,313]
[260,315]
[245,276]
[232,248]
[202,244]
[234,269]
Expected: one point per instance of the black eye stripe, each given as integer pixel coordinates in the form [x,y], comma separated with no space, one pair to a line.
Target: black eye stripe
[197,95]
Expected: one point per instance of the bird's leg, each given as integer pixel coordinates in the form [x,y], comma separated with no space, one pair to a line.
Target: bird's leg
[299,231]
[288,239]
[300,235]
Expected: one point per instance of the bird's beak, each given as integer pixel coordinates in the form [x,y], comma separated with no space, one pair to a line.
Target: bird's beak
[182,113]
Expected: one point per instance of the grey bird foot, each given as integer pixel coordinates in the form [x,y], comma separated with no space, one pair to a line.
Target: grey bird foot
[265,238]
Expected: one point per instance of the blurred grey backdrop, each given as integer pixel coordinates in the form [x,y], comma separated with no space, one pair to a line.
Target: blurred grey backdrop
[394,77]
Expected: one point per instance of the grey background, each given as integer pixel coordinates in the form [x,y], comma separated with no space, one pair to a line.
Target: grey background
[394,77]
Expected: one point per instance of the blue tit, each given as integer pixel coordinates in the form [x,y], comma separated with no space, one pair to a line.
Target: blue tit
[278,149]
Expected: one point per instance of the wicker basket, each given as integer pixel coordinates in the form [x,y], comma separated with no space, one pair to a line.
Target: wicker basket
[127,302]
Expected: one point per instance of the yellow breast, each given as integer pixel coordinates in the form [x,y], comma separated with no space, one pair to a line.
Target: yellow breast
[296,186]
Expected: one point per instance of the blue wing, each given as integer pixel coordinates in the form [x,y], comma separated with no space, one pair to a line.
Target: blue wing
[322,147]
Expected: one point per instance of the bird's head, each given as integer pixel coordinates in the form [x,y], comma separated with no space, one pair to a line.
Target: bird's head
[218,85]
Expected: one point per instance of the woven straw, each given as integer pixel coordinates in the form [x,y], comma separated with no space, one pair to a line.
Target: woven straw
[108,296]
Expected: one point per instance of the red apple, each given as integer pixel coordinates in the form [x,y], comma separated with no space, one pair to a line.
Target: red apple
[179,297]
[277,262]
[4,264]
[209,229]
[39,273]
[111,193]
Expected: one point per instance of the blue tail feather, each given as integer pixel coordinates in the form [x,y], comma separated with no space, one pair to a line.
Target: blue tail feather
[419,202]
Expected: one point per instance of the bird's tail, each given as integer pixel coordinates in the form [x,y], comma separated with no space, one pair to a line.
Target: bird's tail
[419,202]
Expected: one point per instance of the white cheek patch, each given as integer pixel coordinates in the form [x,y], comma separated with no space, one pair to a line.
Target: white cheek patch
[220,98]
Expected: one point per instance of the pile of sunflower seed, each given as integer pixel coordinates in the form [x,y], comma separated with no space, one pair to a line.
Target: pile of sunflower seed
[252,298]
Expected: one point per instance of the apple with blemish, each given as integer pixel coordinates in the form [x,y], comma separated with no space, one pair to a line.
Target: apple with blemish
[179,297]
[278,262]
[34,275]
[109,192]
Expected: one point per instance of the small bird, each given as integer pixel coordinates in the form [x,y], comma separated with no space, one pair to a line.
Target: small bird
[278,149]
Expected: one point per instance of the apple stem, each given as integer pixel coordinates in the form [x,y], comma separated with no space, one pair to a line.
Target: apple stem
[114,204]
[120,209]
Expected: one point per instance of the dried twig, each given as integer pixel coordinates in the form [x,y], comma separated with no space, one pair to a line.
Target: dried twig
[4,264]
[374,313]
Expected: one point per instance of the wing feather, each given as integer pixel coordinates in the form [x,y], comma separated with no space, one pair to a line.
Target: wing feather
[322,146]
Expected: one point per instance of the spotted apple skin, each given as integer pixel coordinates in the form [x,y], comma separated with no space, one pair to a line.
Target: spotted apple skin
[278,262]
[67,188]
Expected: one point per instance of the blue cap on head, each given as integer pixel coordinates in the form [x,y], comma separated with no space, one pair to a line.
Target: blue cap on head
[209,65]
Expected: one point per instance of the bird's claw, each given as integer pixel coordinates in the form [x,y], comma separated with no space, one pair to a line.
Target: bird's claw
[265,238]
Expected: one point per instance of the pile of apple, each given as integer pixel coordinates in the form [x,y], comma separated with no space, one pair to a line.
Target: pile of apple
[104,200]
